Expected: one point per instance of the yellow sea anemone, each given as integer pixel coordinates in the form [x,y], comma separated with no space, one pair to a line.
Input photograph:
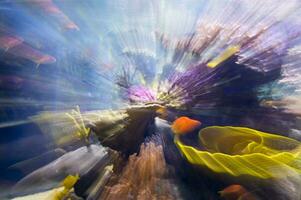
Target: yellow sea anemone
[243,151]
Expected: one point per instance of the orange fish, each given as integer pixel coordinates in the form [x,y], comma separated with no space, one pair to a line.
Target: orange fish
[184,125]
[236,192]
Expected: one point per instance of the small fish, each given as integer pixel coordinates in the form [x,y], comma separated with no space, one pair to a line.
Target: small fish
[7,42]
[49,7]
[27,52]
[45,59]
[278,103]
[108,66]
[10,81]
[236,192]
[184,125]
[69,25]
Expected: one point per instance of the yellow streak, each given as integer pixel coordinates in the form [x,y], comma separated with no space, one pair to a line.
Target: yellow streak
[224,56]
[67,184]
[76,117]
